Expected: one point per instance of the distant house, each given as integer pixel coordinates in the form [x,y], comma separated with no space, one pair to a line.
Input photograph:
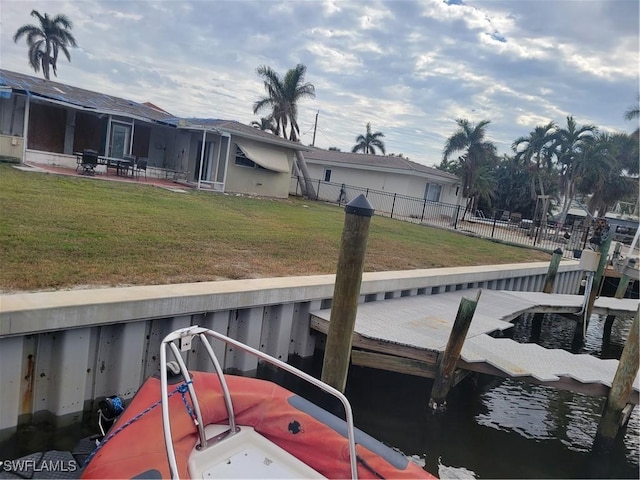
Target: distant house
[385,173]
[48,122]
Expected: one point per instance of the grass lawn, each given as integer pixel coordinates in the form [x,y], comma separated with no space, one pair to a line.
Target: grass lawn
[63,231]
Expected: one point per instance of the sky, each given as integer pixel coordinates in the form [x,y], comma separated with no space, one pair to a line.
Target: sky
[410,68]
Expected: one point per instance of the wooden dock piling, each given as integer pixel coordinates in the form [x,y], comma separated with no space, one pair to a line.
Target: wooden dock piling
[612,418]
[550,279]
[346,292]
[449,359]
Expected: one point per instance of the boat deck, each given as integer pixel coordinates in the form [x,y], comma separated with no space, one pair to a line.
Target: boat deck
[407,334]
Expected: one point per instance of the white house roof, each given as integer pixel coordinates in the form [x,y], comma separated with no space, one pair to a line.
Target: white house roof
[376,162]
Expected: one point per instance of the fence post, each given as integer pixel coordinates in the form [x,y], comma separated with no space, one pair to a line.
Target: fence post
[424,206]
[342,196]
[318,191]
[495,219]
[346,292]
[535,237]
[393,205]
[455,224]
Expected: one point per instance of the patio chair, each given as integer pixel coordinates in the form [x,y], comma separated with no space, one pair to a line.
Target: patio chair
[141,165]
[129,161]
[89,162]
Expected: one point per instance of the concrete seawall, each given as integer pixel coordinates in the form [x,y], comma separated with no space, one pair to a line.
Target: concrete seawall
[61,350]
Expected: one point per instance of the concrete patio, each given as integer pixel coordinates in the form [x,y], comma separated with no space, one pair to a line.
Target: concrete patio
[110,176]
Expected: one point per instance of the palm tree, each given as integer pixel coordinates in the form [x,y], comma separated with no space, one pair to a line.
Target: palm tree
[368,142]
[633,113]
[477,153]
[513,187]
[536,153]
[266,124]
[568,144]
[601,173]
[46,41]
[485,185]
[282,96]
[627,151]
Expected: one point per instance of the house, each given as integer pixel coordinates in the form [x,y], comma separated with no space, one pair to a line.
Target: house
[46,122]
[395,175]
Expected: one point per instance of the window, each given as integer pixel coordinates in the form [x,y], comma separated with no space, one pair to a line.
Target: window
[327,174]
[243,161]
[432,192]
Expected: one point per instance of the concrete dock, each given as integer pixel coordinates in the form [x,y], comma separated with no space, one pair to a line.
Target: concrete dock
[407,335]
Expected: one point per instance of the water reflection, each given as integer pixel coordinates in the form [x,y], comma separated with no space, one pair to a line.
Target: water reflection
[502,428]
[494,427]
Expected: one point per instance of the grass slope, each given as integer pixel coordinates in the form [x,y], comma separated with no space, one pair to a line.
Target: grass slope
[62,231]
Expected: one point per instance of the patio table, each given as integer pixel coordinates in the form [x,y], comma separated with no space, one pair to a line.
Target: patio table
[121,164]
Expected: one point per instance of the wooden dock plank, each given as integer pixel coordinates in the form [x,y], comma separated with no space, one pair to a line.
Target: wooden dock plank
[393,363]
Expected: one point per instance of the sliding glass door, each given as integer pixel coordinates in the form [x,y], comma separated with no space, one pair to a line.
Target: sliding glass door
[120,141]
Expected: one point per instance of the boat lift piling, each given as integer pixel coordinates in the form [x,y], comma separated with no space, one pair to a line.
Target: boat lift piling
[590,262]
[598,278]
[623,284]
[448,360]
[346,292]
[617,410]
[549,283]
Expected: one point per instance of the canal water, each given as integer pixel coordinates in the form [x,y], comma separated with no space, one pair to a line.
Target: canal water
[501,428]
[493,427]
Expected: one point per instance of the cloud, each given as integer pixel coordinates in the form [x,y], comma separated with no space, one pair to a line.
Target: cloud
[408,67]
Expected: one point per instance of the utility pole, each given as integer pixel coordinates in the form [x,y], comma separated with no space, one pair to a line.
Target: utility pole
[313,142]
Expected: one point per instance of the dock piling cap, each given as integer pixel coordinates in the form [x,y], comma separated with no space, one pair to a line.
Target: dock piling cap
[359,206]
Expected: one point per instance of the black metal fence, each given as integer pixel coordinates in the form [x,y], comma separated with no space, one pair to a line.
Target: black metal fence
[500,225]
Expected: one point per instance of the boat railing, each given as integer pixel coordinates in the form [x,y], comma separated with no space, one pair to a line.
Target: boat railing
[183,337]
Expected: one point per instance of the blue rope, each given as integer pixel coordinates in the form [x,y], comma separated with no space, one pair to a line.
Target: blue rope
[118,407]
[182,388]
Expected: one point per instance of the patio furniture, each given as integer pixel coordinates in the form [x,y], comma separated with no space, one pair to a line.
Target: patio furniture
[112,163]
[141,165]
[89,162]
[126,162]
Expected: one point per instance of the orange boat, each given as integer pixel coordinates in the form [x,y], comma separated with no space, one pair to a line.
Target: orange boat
[224,426]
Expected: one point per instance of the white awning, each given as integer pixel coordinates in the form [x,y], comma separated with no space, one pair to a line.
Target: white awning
[268,158]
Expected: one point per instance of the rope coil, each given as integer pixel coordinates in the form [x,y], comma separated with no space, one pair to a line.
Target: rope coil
[182,388]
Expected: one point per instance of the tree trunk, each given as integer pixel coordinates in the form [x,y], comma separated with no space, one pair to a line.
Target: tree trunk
[568,200]
[540,183]
[45,67]
[302,165]
[303,187]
